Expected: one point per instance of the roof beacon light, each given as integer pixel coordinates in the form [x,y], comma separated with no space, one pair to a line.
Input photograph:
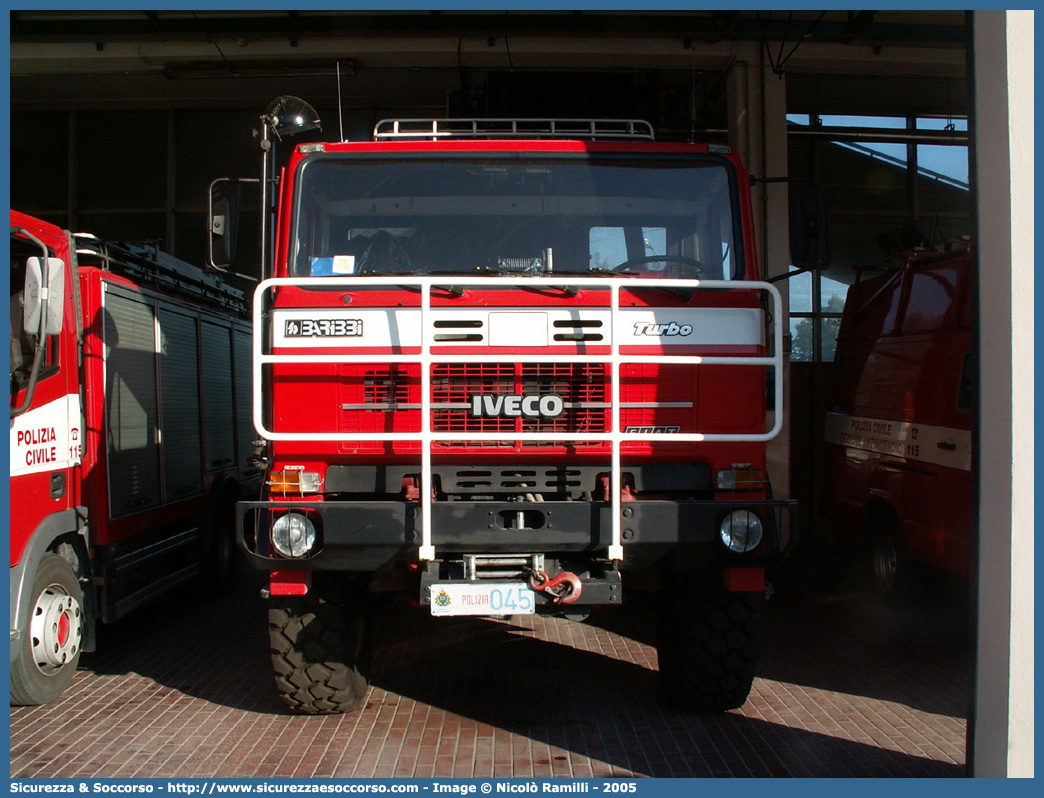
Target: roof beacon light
[289,116]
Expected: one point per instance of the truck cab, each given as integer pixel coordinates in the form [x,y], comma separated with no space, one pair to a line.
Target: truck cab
[507,367]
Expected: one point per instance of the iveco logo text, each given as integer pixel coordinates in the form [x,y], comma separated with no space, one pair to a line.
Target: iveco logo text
[323,328]
[513,406]
[647,328]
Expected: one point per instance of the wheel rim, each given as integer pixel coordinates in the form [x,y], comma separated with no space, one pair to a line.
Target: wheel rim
[56,629]
[886,564]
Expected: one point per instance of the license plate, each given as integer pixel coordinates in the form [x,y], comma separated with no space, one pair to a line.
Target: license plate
[477,598]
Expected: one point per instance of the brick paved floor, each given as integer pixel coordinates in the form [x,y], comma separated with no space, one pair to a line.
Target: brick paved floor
[845,687]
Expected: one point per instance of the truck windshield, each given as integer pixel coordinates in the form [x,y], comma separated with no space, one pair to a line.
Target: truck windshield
[674,218]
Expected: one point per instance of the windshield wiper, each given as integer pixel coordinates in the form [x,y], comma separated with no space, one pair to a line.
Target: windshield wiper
[683,293]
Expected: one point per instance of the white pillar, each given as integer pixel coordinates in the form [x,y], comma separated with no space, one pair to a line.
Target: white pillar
[1001,739]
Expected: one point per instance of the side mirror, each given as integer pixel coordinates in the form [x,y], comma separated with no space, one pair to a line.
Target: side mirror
[44,296]
[224,204]
[809,233]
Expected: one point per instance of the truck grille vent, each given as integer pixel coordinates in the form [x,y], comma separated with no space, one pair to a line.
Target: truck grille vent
[534,479]
[388,399]
[460,330]
[386,386]
[580,385]
[572,330]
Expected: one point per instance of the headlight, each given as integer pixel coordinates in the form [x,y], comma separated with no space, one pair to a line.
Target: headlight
[293,535]
[741,531]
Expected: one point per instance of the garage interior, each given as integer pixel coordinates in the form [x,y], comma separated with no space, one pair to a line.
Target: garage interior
[121,119]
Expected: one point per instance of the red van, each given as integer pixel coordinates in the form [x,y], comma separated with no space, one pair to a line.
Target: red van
[898,437]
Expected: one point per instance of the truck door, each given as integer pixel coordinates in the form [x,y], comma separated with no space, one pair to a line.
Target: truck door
[45,442]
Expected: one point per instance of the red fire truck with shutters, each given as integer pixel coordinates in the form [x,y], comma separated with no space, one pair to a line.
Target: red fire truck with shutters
[511,367]
[128,451]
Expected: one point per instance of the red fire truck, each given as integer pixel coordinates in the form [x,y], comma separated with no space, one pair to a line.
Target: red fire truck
[898,439]
[128,452]
[511,367]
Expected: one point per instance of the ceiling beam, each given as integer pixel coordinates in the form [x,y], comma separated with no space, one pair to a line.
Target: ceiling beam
[839,27]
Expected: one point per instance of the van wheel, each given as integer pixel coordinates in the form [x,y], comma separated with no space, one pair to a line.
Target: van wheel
[708,643]
[895,576]
[50,648]
[321,649]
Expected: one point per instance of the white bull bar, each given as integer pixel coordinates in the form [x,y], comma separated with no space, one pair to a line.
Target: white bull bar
[426,359]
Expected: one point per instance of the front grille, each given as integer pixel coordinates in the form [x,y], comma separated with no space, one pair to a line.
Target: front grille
[661,396]
[581,386]
[388,399]
[456,383]
[385,386]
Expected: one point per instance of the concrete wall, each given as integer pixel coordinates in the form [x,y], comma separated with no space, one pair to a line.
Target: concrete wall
[1001,738]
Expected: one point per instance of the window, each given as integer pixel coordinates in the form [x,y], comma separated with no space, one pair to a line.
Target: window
[23,344]
[608,245]
[499,214]
[931,304]
[893,184]
[816,304]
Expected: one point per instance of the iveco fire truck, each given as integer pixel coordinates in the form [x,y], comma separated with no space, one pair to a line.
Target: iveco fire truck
[512,367]
[128,448]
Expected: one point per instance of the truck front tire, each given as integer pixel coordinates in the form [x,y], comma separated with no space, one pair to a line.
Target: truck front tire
[50,646]
[321,649]
[708,642]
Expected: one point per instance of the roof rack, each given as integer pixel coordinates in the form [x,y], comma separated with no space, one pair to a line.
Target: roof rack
[149,265]
[434,129]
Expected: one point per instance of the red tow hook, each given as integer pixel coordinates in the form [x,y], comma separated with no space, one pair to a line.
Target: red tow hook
[564,588]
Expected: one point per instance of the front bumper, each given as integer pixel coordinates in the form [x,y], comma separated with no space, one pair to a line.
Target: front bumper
[367,535]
